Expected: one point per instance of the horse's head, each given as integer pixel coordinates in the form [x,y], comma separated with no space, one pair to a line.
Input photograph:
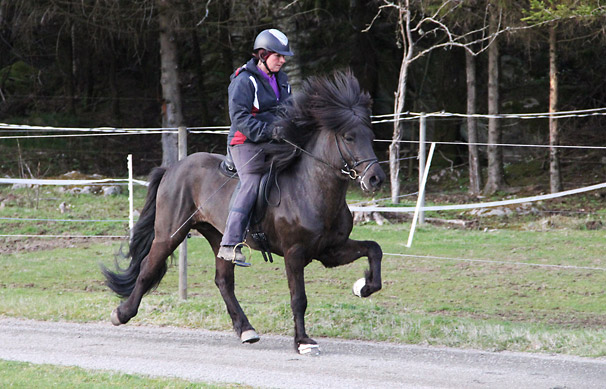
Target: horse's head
[358,160]
[341,111]
[333,113]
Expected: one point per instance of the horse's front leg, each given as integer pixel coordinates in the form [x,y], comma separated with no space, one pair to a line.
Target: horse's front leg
[295,263]
[349,252]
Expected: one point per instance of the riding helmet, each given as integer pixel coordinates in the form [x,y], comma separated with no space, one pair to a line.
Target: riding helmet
[273,40]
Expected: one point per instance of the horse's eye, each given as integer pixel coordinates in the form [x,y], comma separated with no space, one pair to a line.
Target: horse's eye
[349,138]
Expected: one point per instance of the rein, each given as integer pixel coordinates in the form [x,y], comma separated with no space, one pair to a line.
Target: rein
[347,169]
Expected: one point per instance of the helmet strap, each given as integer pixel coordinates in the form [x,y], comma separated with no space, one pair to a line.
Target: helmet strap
[263,55]
[267,67]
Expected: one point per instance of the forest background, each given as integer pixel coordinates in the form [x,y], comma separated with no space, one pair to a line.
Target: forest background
[74,63]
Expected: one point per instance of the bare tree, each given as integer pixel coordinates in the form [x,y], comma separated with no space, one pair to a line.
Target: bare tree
[172,115]
[475,177]
[496,179]
[555,175]
[556,15]
[286,21]
[405,31]
[431,26]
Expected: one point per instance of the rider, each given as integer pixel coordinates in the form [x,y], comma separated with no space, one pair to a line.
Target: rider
[255,92]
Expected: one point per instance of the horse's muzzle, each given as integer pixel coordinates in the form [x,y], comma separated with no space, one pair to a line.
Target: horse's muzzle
[372,180]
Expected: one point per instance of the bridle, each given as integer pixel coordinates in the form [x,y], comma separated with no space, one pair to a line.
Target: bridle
[351,171]
[348,169]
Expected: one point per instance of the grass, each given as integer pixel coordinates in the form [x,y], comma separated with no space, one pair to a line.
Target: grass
[493,306]
[28,375]
[458,288]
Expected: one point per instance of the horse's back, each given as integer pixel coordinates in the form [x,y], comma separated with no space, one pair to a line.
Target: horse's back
[195,186]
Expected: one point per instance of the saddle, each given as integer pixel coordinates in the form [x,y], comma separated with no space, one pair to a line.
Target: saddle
[228,169]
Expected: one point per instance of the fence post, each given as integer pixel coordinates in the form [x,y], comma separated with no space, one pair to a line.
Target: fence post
[415,218]
[131,216]
[183,247]
[422,133]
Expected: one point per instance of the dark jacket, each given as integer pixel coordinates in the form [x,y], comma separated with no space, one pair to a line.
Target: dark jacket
[253,104]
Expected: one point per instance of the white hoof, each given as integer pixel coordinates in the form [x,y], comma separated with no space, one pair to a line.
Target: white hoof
[114,318]
[309,349]
[357,286]
[249,336]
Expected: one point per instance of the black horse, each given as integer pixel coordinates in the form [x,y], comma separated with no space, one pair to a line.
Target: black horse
[328,142]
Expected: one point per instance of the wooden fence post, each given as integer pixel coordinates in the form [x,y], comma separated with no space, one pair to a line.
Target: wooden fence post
[131,216]
[422,133]
[183,247]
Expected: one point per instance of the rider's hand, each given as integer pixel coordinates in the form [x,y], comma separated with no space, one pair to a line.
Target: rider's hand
[277,132]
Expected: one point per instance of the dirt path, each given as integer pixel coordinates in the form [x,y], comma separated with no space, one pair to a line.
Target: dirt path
[206,356]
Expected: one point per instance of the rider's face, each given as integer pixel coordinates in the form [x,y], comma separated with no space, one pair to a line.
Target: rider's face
[275,61]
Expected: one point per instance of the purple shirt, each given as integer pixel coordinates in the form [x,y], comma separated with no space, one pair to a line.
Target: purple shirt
[273,82]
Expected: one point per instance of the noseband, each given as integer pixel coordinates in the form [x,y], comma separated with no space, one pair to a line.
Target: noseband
[350,170]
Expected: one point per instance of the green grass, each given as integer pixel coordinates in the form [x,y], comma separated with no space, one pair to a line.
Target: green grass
[28,375]
[86,214]
[450,302]
[459,288]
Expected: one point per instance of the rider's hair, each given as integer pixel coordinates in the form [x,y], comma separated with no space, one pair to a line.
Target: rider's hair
[262,54]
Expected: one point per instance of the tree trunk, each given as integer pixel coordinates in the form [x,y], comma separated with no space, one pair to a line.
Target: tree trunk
[360,44]
[555,178]
[495,180]
[239,41]
[400,98]
[113,87]
[200,70]
[73,69]
[475,178]
[287,23]
[172,116]
[226,50]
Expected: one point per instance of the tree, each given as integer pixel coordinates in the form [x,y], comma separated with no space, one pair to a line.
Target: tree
[405,31]
[475,176]
[285,12]
[556,14]
[495,179]
[172,115]
[471,20]
[431,25]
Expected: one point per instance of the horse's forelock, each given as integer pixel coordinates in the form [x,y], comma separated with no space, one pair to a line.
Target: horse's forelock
[337,102]
[334,102]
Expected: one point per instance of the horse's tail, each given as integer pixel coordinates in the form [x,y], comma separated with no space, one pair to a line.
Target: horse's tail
[122,282]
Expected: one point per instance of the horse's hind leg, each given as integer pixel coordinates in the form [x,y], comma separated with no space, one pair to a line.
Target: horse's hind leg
[153,268]
[225,281]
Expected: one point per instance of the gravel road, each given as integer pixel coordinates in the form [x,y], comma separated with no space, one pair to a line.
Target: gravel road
[206,356]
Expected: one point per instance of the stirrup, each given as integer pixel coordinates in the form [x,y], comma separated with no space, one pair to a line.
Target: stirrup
[241,261]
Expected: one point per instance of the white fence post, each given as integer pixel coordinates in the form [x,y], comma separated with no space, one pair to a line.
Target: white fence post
[421,196]
[183,247]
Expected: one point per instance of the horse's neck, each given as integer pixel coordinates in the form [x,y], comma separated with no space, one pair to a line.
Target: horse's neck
[320,182]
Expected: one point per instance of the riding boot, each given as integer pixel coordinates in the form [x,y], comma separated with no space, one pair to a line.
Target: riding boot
[233,254]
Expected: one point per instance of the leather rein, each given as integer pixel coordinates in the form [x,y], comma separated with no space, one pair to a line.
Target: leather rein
[347,169]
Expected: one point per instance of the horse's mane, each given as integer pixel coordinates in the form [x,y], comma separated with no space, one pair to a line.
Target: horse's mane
[333,103]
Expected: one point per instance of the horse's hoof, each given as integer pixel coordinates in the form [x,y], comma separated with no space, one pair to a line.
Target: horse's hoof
[357,287]
[309,349]
[249,336]
[114,317]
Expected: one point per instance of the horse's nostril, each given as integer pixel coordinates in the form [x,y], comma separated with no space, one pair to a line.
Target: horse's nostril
[375,181]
